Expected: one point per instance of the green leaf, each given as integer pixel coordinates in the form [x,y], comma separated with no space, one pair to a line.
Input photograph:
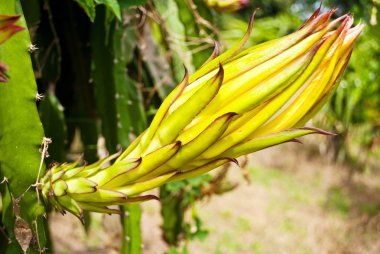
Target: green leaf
[128,3]
[175,37]
[113,5]
[89,7]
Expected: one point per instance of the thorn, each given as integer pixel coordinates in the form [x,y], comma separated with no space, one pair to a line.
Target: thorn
[81,218]
[44,154]
[32,48]
[319,131]
[230,159]
[39,96]
[295,140]
[5,180]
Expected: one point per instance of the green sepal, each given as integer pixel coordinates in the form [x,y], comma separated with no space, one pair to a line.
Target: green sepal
[63,167]
[94,207]
[126,201]
[196,146]
[91,169]
[260,143]
[67,203]
[99,195]
[101,207]
[201,170]
[102,178]
[148,163]
[145,138]
[131,147]
[59,188]
[80,185]
[183,115]
[137,188]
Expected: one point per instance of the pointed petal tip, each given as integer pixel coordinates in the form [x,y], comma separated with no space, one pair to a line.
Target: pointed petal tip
[18,28]
[139,160]
[81,218]
[252,20]
[143,198]
[234,161]
[228,116]
[360,26]
[219,76]
[296,140]
[319,8]
[230,159]
[319,131]
[249,31]
[333,10]
[221,71]
[231,114]
[185,79]
[318,19]
[12,27]
[186,76]
[177,144]
[153,197]
[216,50]
[215,53]
[119,151]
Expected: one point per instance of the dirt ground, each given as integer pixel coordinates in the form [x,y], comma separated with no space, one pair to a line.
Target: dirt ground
[298,202]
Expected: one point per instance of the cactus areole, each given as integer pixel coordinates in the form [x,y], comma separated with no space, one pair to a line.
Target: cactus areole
[239,102]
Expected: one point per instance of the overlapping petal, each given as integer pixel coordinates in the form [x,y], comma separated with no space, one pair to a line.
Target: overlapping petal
[237,103]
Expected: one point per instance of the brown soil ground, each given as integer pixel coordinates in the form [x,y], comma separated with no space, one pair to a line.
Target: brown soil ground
[298,202]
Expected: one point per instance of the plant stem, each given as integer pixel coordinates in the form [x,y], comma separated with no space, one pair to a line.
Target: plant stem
[132,240]
[21,134]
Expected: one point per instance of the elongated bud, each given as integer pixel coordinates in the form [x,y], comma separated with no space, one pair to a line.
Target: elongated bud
[237,103]
[227,5]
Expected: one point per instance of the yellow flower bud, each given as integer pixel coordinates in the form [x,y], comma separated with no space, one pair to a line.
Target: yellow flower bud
[237,103]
